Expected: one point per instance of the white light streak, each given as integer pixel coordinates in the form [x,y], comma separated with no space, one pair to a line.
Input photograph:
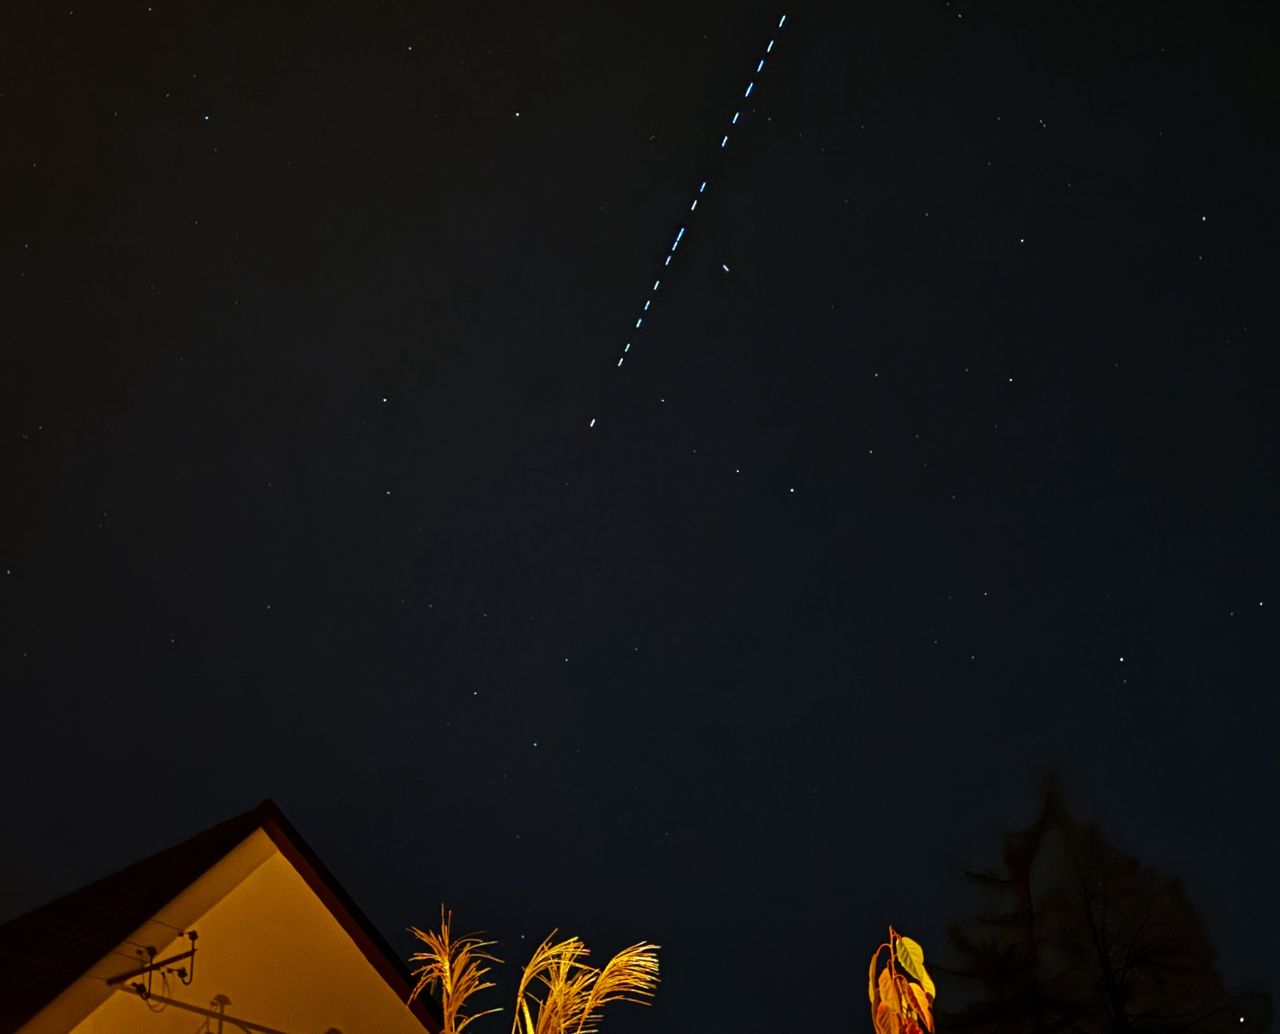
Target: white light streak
[693,206]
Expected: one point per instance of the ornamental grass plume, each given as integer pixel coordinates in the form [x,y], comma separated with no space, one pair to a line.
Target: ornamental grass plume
[456,966]
[560,991]
[574,993]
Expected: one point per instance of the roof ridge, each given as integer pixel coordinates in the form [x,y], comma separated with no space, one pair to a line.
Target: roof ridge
[45,950]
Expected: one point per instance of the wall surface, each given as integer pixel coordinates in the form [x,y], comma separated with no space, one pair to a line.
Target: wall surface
[271,957]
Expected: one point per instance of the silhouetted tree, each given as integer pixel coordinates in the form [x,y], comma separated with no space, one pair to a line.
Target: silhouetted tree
[1078,936]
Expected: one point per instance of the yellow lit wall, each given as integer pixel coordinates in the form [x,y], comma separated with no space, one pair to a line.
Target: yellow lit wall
[267,944]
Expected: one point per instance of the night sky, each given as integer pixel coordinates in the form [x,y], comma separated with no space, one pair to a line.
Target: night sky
[963,469]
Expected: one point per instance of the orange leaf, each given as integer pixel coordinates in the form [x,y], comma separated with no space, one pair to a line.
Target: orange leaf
[889,993]
[886,1022]
[911,958]
[871,976]
[921,1002]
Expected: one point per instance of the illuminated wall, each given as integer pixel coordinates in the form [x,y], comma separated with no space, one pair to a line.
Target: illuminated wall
[268,946]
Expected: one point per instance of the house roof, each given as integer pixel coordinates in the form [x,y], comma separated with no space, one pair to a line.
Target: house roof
[46,950]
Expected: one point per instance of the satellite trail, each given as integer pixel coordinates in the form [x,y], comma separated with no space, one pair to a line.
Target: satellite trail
[693,207]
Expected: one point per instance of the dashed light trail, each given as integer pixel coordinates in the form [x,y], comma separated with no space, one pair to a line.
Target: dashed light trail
[697,197]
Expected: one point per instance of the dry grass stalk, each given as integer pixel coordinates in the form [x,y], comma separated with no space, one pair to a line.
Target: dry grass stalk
[574,992]
[559,992]
[456,965]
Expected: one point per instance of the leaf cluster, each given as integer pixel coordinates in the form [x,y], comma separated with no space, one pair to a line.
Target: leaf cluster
[901,993]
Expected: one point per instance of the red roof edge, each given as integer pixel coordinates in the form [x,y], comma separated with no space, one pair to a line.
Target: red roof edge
[343,908]
[44,951]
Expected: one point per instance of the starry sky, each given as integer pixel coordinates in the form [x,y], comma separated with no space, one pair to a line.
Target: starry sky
[943,458]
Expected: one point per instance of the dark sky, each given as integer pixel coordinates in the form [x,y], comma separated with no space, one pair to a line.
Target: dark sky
[964,469]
